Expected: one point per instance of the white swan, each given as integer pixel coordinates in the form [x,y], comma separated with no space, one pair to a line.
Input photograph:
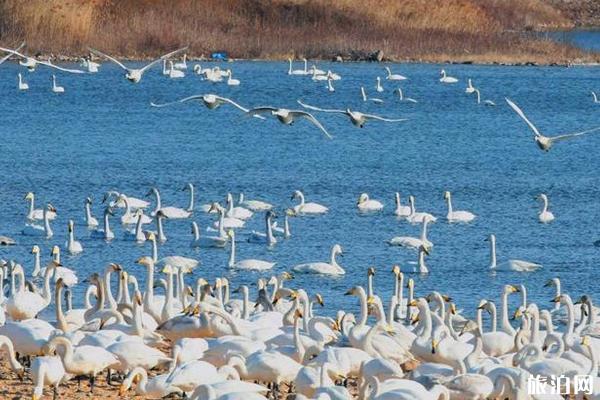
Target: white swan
[129,217]
[447,79]
[356,117]
[297,71]
[378,86]
[417,217]
[155,388]
[545,216]
[47,371]
[181,64]
[509,265]
[595,97]
[366,98]
[254,205]
[72,245]
[55,87]
[211,101]
[37,213]
[331,268]
[394,77]
[456,216]
[469,89]
[307,208]
[206,241]
[247,264]
[365,204]
[400,211]
[230,80]
[135,74]
[105,232]
[486,102]
[266,237]
[413,242]
[175,73]
[169,212]
[43,231]
[89,219]
[225,222]
[288,117]
[31,63]
[237,212]
[404,98]
[330,87]
[22,84]
[546,142]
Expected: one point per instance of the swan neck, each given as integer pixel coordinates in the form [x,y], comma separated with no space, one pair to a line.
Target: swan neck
[191,203]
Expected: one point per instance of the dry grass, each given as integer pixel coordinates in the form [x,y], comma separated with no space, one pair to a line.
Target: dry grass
[403,29]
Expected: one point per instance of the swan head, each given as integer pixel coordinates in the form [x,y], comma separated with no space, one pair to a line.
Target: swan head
[145,261]
[371,271]
[297,314]
[231,234]
[35,249]
[152,191]
[197,68]
[362,198]
[423,249]
[355,291]
[188,186]
[319,299]
[396,270]
[511,289]
[29,196]
[543,197]
[491,238]
[296,194]
[552,282]
[447,195]
[337,250]
[410,284]
[443,72]
[161,214]
[70,225]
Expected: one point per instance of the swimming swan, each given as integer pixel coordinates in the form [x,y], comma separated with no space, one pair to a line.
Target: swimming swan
[447,79]
[365,204]
[456,216]
[37,214]
[413,242]
[22,84]
[545,216]
[72,245]
[394,77]
[509,265]
[55,87]
[307,208]
[248,264]
[331,268]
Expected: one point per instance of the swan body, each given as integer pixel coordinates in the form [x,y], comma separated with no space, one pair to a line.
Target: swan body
[254,205]
[365,204]
[417,217]
[37,213]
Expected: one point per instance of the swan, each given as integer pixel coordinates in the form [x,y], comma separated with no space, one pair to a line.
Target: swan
[509,265]
[105,233]
[31,63]
[72,245]
[174,73]
[365,204]
[91,66]
[403,98]
[595,97]
[413,242]
[55,87]
[68,276]
[394,77]
[137,234]
[456,216]
[267,237]
[417,217]
[47,371]
[225,222]
[307,208]
[357,118]
[331,268]
[229,390]
[37,213]
[254,205]
[447,79]
[82,360]
[378,86]
[182,64]
[5,58]
[22,84]
[545,216]
[135,74]
[486,102]
[168,212]
[43,231]
[285,231]
[134,203]
[237,212]
[231,81]
[248,264]
[421,260]
[206,241]
[400,211]
[288,117]
[89,220]
[201,71]
[155,388]
[129,217]
[546,142]
[135,354]
[469,89]
[330,87]
[297,71]
[372,99]
[211,101]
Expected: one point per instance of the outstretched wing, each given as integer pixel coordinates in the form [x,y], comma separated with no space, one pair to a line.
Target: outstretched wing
[572,135]
[12,52]
[195,97]
[378,118]
[261,110]
[312,119]
[327,110]
[522,115]
[233,103]
[49,64]
[171,54]
[99,53]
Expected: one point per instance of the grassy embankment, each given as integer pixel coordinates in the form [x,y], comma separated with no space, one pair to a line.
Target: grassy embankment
[457,30]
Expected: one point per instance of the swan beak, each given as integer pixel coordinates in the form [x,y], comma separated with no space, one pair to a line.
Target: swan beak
[319,299]
[390,330]
[350,292]
[515,289]
[555,300]
[549,283]
[396,270]
[414,319]
[35,397]
[412,303]
[336,326]
[446,298]
[371,271]
[236,290]
[585,340]
[434,344]
[371,300]
[298,313]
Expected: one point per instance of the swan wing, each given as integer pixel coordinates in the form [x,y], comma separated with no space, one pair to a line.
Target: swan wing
[233,103]
[195,97]
[521,114]
[327,110]
[72,71]
[378,118]
[120,64]
[572,135]
[14,53]
[311,118]
[261,110]
[162,58]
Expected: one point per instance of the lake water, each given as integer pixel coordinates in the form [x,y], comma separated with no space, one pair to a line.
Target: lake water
[585,39]
[102,134]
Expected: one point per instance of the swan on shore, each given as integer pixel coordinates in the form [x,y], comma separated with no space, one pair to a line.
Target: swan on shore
[135,74]
[546,142]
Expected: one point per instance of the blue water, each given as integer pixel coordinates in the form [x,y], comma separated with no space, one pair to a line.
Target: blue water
[102,134]
[585,39]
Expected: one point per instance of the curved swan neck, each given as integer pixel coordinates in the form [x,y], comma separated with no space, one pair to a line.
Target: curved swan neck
[505,322]
[112,304]
[195,231]
[191,203]
[60,317]
[47,227]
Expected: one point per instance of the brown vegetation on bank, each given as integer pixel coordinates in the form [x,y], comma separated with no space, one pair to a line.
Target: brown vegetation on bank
[462,30]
